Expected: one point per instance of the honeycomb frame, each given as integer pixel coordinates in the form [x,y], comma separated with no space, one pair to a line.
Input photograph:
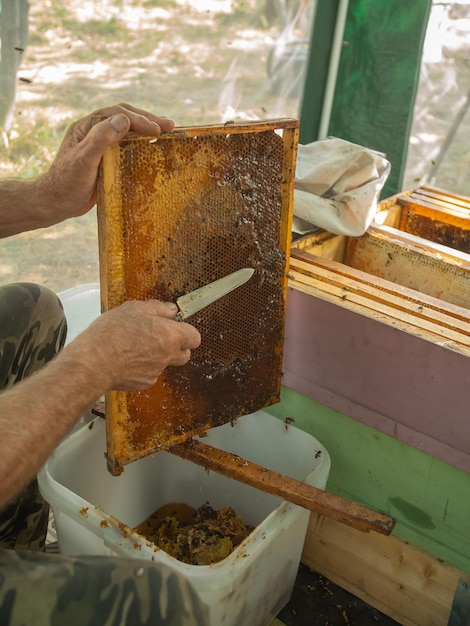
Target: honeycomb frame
[173,215]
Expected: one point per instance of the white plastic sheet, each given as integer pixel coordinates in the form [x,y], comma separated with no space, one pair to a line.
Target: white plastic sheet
[337,185]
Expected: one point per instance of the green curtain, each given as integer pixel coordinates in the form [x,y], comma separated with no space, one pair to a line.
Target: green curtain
[377,76]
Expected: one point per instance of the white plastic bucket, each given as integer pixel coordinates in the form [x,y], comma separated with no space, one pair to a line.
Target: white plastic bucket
[255,581]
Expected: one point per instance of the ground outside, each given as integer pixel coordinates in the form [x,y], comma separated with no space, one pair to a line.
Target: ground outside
[316,601]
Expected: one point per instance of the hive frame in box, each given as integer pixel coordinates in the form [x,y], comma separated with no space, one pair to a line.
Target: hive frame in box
[430,213]
[178,213]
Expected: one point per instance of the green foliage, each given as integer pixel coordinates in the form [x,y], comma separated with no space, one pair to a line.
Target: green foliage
[55,14]
[164,4]
[32,147]
[99,28]
[175,68]
[60,17]
[255,13]
[241,6]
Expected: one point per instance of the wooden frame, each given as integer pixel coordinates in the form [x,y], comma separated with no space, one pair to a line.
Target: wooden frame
[174,215]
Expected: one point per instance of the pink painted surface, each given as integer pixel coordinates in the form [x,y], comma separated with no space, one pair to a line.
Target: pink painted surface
[406,387]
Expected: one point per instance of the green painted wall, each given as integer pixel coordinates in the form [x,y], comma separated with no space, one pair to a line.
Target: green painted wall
[377,76]
[429,499]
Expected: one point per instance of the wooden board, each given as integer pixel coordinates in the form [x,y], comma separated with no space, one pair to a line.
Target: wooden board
[397,377]
[174,215]
[379,299]
[405,582]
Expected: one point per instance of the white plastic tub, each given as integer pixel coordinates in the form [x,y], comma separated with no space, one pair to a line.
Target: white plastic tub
[253,583]
[81,306]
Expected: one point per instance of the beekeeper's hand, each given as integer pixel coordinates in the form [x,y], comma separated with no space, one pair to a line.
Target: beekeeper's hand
[68,188]
[137,341]
[71,179]
[125,348]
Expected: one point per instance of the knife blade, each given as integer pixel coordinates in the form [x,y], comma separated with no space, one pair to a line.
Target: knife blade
[200,298]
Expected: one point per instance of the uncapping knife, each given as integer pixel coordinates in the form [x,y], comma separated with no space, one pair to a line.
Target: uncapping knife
[200,298]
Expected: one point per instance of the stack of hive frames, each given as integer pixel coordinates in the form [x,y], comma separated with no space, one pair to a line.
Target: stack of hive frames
[394,248]
[404,259]
[432,214]
[174,215]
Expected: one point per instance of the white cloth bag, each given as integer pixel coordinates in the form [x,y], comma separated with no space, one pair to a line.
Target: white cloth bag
[337,185]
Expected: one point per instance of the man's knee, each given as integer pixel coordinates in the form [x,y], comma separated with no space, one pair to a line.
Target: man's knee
[56,589]
[32,330]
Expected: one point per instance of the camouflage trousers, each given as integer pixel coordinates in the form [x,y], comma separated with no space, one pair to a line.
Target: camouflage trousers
[38,589]
[32,330]
[41,589]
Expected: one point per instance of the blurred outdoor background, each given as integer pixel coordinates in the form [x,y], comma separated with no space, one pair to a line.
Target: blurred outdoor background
[198,62]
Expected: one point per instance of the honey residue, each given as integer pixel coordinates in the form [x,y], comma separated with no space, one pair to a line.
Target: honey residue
[196,536]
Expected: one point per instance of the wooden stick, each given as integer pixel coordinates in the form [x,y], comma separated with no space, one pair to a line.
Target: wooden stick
[290,489]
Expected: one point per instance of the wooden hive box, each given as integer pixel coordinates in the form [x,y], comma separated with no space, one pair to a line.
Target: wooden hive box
[378,326]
